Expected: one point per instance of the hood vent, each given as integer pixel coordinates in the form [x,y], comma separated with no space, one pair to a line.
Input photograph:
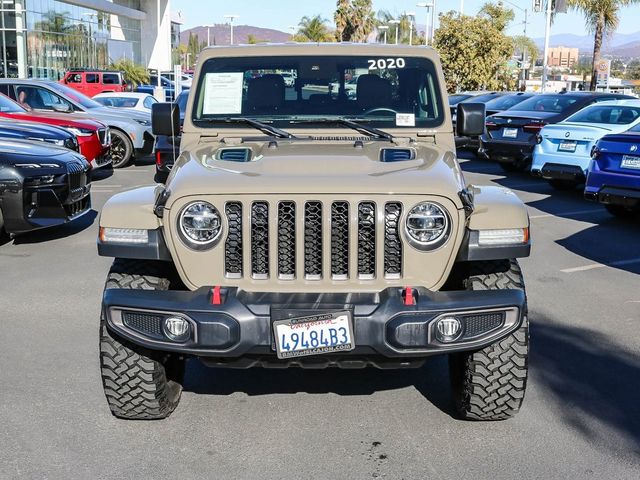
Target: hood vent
[234,154]
[329,138]
[397,154]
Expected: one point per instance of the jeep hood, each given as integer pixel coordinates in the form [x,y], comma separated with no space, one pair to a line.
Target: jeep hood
[317,167]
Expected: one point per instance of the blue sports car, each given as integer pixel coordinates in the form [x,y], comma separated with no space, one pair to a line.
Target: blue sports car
[614,173]
[563,153]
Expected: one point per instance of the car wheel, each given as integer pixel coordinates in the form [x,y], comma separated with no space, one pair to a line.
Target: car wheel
[620,211]
[489,384]
[563,185]
[121,149]
[138,383]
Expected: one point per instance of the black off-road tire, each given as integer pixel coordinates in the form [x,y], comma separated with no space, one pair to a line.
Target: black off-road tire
[620,211]
[138,383]
[489,384]
[121,149]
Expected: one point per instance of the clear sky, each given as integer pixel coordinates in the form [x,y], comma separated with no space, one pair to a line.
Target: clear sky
[280,14]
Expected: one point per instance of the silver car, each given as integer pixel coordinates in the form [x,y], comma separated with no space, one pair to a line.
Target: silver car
[130,131]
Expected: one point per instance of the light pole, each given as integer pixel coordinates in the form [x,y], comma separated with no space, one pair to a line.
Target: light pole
[384,28]
[293,29]
[431,8]
[231,18]
[461,7]
[209,35]
[524,50]
[412,16]
[396,23]
[547,33]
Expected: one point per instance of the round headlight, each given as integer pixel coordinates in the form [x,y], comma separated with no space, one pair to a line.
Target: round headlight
[427,225]
[200,225]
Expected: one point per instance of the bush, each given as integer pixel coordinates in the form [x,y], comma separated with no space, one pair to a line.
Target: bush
[134,74]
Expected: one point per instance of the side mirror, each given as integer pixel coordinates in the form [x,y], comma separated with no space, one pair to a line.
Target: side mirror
[165,119]
[61,108]
[470,118]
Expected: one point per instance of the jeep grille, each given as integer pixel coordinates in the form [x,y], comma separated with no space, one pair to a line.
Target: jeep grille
[353,228]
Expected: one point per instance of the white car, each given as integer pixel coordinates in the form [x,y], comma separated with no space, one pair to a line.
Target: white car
[140,102]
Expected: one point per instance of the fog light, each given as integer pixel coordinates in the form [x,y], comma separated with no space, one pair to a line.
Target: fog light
[176,328]
[448,329]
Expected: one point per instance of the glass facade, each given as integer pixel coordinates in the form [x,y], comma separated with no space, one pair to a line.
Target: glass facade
[60,36]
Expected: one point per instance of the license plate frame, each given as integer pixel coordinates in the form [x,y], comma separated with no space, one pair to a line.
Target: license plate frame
[631,162]
[568,146]
[509,132]
[321,322]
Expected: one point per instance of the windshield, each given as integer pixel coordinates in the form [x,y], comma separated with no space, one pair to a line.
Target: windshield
[9,106]
[381,91]
[74,95]
[506,101]
[547,103]
[456,99]
[607,114]
[484,98]
[119,102]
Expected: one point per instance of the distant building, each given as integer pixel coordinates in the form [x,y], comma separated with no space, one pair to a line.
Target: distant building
[562,57]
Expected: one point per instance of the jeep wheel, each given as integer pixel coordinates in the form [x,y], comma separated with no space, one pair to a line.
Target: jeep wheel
[121,149]
[139,384]
[489,384]
[620,211]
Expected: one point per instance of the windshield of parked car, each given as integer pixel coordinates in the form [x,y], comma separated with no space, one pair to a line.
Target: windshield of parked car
[484,98]
[119,102]
[546,103]
[390,91]
[75,95]
[9,106]
[506,101]
[607,114]
[457,98]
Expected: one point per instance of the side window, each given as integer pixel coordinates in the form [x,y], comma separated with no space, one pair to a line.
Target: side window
[110,79]
[44,99]
[74,78]
[148,102]
[4,89]
[92,77]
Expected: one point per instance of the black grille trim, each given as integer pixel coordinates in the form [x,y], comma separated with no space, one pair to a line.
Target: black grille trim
[287,240]
[148,324]
[392,241]
[367,240]
[233,244]
[340,240]
[313,240]
[482,323]
[260,240]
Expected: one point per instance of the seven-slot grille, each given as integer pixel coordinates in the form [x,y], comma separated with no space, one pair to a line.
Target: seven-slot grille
[76,175]
[302,230]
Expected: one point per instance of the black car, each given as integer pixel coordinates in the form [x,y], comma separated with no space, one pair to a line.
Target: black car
[505,102]
[510,136]
[40,186]
[168,148]
[39,132]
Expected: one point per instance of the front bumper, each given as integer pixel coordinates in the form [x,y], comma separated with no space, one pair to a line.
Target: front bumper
[238,330]
[505,152]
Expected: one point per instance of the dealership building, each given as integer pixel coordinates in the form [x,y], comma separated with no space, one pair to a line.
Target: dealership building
[43,38]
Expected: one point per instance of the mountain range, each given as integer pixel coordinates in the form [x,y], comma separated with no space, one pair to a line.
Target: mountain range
[220,34]
[618,44]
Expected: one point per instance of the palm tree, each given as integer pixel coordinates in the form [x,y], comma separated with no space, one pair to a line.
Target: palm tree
[314,29]
[602,19]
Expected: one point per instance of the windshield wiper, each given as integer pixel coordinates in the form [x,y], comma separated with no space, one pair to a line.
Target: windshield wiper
[263,127]
[351,124]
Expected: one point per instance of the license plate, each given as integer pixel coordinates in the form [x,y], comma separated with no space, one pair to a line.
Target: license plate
[629,161]
[314,334]
[510,132]
[567,147]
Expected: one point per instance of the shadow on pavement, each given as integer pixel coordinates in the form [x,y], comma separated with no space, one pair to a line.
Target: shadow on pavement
[593,379]
[101,174]
[431,380]
[61,231]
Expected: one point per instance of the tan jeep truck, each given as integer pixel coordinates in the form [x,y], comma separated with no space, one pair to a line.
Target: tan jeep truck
[309,224]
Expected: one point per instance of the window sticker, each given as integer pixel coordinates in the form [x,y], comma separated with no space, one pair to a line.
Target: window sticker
[222,93]
[386,63]
[405,120]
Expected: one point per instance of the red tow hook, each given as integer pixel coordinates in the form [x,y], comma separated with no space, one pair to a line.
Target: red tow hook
[216,297]
[408,296]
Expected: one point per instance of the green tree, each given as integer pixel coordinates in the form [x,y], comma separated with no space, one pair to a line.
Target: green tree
[134,74]
[602,19]
[313,29]
[633,70]
[406,29]
[474,51]
[617,68]
[354,20]
[497,14]
[526,45]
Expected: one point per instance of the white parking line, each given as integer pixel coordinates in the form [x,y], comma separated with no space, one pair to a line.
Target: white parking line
[564,214]
[617,263]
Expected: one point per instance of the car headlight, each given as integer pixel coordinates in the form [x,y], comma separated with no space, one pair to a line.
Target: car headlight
[200,225]
[146,123]
[427,226]
[80,132]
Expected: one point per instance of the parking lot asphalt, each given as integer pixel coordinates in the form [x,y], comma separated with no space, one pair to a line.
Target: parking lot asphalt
[580,419]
